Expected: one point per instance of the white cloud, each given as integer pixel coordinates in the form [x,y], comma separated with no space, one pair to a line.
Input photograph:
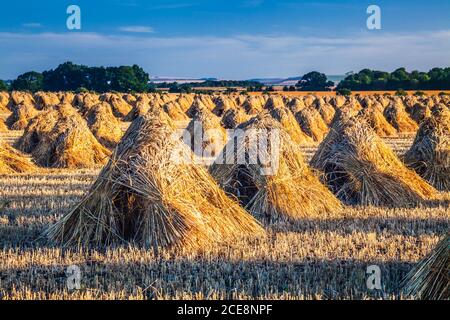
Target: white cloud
[233,57]
[137,29]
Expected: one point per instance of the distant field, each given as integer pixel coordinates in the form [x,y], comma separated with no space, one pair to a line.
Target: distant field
[279,90]
[333,93]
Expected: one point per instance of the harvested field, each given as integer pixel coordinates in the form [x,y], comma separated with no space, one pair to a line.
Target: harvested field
[321,256]
[324,258]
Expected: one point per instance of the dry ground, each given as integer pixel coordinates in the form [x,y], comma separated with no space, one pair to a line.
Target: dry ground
[321,258]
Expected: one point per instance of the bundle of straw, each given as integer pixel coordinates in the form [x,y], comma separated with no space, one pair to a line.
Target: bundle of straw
[207,134]
[399,118]
[326,110]
[429,280]
[234,117]
[377,121]
[144,196]
[4,102]
[119,106]
[105,127]
[429,155]
[223,104]
[61,138]
[12,161]
[361,169]
[311,122]
[21,115]
[3,126]
[276,185]
[174,111]
[45,99]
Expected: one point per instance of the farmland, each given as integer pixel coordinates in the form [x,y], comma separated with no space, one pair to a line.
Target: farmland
[318,257]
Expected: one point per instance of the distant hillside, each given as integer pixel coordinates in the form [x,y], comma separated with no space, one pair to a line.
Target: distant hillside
[293,80]
[157,80]
[212,82]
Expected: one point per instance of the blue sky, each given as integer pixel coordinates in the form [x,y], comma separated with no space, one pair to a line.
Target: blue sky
[226,39]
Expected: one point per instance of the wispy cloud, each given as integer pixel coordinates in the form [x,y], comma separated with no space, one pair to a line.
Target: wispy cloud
[137,29]
[232,57]
[32,25]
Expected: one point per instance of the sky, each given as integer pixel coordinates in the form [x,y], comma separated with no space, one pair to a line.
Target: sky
[225,39]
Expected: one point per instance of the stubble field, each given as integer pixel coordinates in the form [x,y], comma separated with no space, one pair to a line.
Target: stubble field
[321,258]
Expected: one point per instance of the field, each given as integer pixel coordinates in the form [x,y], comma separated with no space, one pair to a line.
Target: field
[333,93]
[323,257]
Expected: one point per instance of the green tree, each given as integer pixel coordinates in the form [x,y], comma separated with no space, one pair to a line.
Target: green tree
[67,77]
[29,81]
[127,79]
[3,86]
[98,79]
[314,81]
[344,92]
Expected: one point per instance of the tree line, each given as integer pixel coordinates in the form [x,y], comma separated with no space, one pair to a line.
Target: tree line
[400,79]
[72,77]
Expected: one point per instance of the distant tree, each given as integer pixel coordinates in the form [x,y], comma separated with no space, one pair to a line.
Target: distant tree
[255,89]
[82,90]
[173,88]
[98,79]
[435,79]
[344,92]
[29,81]
[292,88]
[3,86]
[285,88]
[125,79]
[269,89]
[314,81]
[176,88]
[401,93]
[67,77]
